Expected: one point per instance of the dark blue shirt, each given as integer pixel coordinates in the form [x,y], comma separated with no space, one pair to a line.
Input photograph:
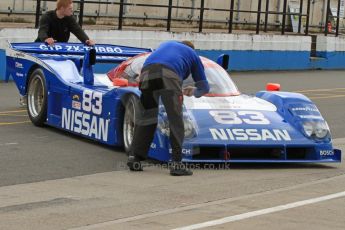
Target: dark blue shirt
[184,61]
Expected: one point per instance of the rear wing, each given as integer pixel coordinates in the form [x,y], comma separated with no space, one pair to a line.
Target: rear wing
[105,53]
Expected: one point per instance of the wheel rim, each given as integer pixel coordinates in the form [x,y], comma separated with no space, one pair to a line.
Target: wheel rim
[128,125]
[35,96]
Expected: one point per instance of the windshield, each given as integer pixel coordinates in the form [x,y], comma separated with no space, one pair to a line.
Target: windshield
[219,80]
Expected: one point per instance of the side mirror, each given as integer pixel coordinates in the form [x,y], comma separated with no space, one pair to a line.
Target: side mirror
[92,57]
[120,82]
[273,87]
[223,60]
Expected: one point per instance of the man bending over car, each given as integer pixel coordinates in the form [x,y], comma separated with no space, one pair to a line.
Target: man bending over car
[161,78]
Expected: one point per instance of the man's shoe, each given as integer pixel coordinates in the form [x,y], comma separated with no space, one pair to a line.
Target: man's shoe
[23,100]
[181,172]
[180,169]
[134,164]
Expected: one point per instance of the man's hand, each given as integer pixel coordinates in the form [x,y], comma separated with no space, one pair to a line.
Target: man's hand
[50,41]
[90,42]
[188,91]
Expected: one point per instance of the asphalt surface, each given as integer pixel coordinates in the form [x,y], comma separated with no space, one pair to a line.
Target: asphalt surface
[53,180]
[29,153]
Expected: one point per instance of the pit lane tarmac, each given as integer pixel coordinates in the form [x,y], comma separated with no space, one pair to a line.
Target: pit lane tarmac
[52,180]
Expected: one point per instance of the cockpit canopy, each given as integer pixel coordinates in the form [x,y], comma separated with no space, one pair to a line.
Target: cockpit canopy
[221,84]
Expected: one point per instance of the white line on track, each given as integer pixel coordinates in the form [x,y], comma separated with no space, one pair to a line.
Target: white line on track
[6,144]
[261,212]
[317,90]
[112,223]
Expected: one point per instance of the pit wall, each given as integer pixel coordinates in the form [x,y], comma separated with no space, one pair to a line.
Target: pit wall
[247,52]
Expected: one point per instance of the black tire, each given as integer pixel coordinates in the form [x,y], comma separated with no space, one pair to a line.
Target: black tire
[129,121]
[37,98]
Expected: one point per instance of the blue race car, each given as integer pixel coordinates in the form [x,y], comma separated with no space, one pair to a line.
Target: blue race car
[223,126]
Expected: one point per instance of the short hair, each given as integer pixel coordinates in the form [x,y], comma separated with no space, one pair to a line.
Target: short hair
[63,3]
[189,43]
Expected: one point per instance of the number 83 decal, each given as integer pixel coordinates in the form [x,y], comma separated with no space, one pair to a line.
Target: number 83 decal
[92,102]
[239,117]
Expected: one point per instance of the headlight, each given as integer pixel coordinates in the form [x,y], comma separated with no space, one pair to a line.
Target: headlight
[189,125]
[316,129]
[163,126]
[321,130]
[189,128]
[308,128]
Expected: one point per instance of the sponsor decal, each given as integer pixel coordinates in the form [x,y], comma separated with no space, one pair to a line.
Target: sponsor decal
[184,151]
[308,108]
[78,48]
[76,97]
[229,103]
[326,153]
[250,134]
[116,58]
[76,105]
[228,117]
[19,74]
[107,49]
[85,123]
[18,65]
[88,121]
[307,112]
[311,117]
[19,55]
[47,47]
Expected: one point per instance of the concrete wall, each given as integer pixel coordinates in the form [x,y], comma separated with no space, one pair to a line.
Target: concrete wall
[247,52]
[204,41]
[332,50]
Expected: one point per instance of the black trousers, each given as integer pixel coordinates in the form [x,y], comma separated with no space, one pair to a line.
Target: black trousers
[158,82]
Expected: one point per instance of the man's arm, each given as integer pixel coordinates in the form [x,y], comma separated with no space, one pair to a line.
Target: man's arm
[198,74]
[43,28]
[202,88]
[79,32]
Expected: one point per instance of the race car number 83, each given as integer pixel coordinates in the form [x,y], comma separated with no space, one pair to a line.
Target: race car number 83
[92,102]
[236,118]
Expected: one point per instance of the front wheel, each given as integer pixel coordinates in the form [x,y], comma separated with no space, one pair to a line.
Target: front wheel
[37,98]
[129,122]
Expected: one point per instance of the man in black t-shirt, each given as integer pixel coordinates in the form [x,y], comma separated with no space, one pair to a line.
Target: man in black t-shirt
[56,25]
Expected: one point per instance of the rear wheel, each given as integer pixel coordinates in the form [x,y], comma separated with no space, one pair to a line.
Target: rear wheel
[37,98]
[129,122]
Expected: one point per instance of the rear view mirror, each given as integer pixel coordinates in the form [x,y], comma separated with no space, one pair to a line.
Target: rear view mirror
[273,87]
[223,60]
[120,82]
